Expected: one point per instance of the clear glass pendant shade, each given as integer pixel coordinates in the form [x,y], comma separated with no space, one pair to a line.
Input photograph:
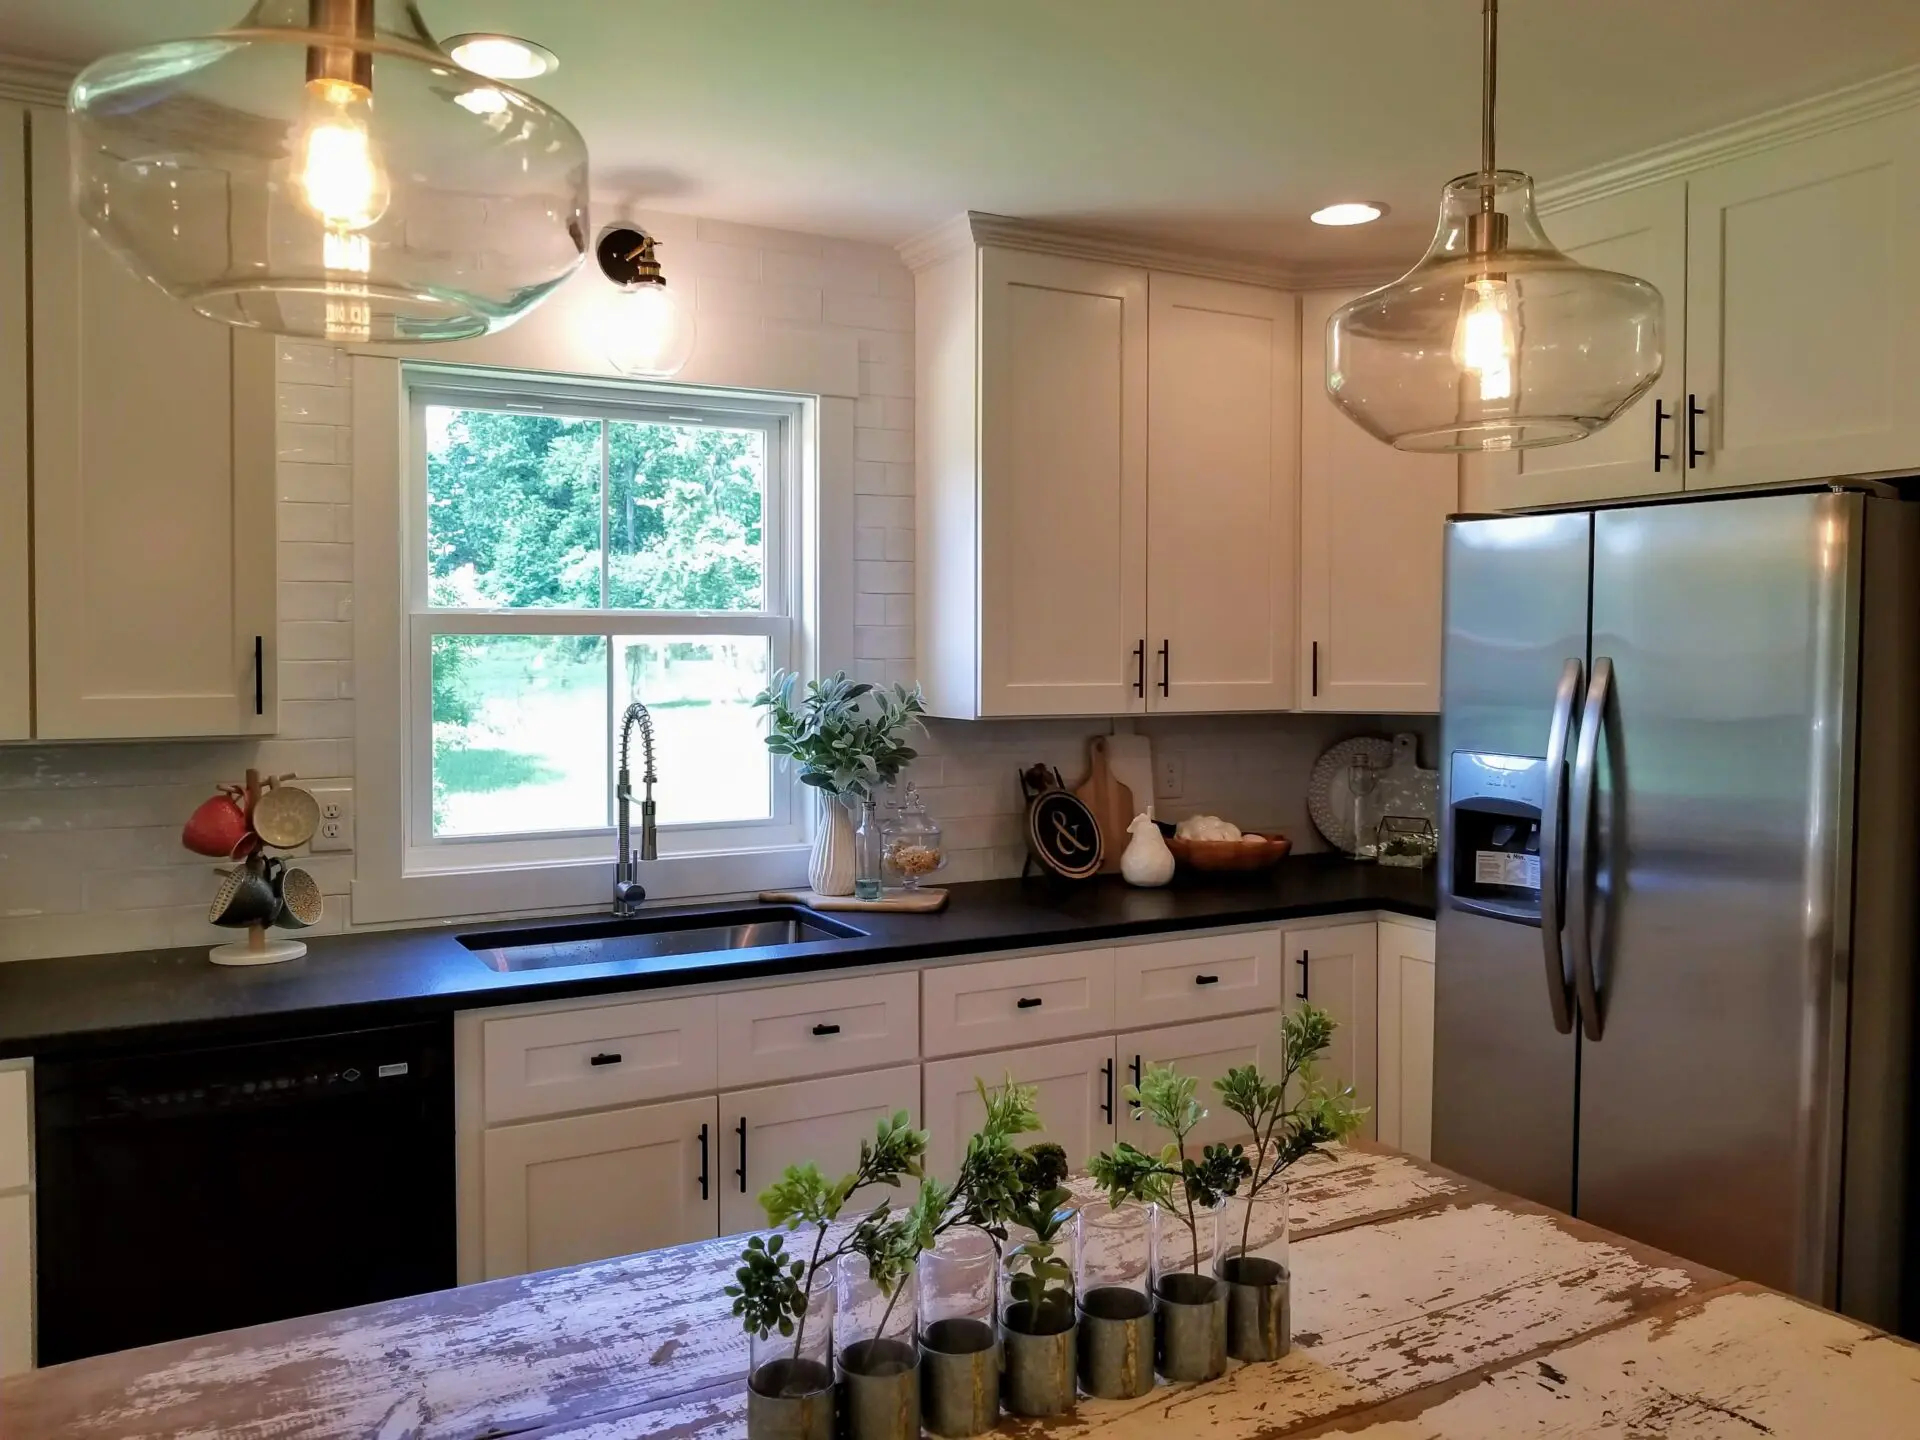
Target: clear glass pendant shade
[649,330]
[1495,340]
[323,169]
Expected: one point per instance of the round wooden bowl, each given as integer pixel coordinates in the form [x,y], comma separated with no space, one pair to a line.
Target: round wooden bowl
[1230,854]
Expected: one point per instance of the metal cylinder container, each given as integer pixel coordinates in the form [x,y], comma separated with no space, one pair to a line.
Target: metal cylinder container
[880,1390]
[959,1378]
[790,1400]
[1259,1308]
[1116,1343]
[1039,1377]
[1191,1325]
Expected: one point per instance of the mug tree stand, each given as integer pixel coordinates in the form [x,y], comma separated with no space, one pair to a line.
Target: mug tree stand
[258,950]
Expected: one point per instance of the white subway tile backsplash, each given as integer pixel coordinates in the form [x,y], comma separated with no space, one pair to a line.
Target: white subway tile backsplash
[313,444]
[317,484]
[311,679]
[315,640]
[869,543]
[870,609]
[736,262]
[869,478]
[899,610]
[727,232]
[303,362]
[883,577]
[888,511]
[890,446]
[314,404]
[883,642]
[330,561]
[877,379]
[899,544]
[307,523]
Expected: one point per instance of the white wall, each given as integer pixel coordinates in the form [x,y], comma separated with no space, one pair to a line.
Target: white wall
[90,858]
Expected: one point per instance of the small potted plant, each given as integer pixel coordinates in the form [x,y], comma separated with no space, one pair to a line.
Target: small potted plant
[1253,1250]
[848,739]
[786,1302]
[1187,1193]
[1037,1319]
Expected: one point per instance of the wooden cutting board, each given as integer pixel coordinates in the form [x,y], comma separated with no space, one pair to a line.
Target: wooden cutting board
[1130,757]
[1110,801]
[908,902]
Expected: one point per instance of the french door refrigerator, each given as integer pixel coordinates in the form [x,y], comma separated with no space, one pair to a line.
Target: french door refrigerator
[1675,982]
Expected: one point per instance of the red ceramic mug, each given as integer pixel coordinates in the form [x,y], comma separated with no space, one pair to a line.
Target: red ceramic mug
[217,827]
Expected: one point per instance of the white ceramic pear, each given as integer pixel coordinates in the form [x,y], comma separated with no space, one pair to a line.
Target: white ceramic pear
[1147,860]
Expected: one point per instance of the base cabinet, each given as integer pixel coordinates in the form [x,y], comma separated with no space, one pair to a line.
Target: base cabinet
[1333,967]
[1205,1051]
[16,1284]
[562,1192]
[1077,1089]
[1405,1107]
[822,1121]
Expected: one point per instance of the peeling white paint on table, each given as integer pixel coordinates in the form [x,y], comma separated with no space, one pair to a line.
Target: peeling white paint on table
[1424,1305]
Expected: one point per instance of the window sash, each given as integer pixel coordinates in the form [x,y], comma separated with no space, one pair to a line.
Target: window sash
[427,853]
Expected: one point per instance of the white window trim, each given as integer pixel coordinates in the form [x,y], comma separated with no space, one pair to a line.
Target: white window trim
[390,885]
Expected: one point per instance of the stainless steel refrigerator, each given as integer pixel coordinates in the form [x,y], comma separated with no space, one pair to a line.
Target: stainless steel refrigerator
[1675,982]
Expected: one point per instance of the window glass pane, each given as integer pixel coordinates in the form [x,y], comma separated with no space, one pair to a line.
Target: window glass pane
[519,733]
[685,517]
[513,509]
[708,750]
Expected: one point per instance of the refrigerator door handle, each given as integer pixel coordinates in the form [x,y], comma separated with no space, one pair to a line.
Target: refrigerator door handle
[1580,880]
[1552,861]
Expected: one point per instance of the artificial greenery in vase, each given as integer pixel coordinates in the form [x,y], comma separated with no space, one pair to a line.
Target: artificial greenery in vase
[1283,1133]
[847,737]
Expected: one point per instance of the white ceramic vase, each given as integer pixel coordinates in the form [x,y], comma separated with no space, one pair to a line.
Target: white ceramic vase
[830,872]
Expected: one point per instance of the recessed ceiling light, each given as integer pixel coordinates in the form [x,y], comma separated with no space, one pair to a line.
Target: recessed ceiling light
[1348,212]
[502,57]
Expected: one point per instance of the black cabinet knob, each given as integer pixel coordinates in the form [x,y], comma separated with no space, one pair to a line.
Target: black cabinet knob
[1027,1002]
[1206,979]
[826,1029]
[605,1057]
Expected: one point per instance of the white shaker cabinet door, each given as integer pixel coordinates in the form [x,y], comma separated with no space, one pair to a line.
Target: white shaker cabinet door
[154,481]
[1206,1051]
[16,613]
[587,1187]
[1223,458]
[1803,307]
[1404,1107]
[1644,233]
[818,1121]
[1077,1089]
[1063,484]
[1334,968]
[16,1284]
[1372,545]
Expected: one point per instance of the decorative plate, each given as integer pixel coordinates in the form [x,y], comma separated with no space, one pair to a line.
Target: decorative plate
[1063,834]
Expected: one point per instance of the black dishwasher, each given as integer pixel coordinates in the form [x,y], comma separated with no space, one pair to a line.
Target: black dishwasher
[187,1191]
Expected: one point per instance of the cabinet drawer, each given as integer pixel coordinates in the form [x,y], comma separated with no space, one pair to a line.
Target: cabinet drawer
[15,1126]
[1196,977]
[605,1055]
[790,1032]
[998,1003]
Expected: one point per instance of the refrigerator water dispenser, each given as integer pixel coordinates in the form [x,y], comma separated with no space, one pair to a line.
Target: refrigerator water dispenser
[1495,803]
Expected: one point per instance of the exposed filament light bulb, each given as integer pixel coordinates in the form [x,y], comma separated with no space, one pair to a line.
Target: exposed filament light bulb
[1484,344]
[338,169]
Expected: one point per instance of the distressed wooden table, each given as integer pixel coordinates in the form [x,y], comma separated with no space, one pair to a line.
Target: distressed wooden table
[1426,1307]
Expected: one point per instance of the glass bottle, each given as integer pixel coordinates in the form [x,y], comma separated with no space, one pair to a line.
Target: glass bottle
[1363,784]
[868,856]
[913,849]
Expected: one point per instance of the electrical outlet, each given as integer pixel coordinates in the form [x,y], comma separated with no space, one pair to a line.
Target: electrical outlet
[336,818]
[1168,774]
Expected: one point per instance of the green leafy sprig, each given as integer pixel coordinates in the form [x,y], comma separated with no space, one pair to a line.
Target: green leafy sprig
[848,738]
[1283,1133]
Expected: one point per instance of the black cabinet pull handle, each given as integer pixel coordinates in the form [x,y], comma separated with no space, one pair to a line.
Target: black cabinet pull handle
[259,675]
[741,1131]
[1106,1106]
[703,1160]
[826,1029]
[1206,979]
[1027,1002]
[1135,1068]
[1304,961]
[1140,668]
[605,1057]
[1660,418]
[1166,666]
[1695,412]
[1316,667]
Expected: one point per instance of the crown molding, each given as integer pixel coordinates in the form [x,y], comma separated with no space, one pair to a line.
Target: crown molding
[1868,100]
[975,228]
[35,82]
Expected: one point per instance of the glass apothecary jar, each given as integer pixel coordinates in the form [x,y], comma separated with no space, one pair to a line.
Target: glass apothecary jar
[911,842]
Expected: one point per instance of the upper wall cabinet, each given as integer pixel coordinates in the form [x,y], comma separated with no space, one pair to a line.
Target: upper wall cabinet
[1803,308]
[16,614]
[1641,232]
[1069,565]
[1372,543]
[1223,376]
[153,496]
[1793,323]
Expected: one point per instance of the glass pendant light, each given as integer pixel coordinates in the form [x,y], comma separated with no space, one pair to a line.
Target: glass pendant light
[1495,340]
[649,328]
[324,169]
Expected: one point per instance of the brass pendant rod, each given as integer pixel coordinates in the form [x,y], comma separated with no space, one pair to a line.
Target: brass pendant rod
[1489,73]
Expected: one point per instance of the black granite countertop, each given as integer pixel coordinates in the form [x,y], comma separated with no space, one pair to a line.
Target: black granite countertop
[172,997]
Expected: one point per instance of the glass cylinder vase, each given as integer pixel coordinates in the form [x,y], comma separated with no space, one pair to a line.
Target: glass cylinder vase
[1190,1300]
[1038,1322]
[878,1345]
[1253,1264]
[790,1377]
[959,1344]
[1115,1287]
[869,853]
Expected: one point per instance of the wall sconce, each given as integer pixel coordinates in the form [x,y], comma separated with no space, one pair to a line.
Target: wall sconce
[649,327]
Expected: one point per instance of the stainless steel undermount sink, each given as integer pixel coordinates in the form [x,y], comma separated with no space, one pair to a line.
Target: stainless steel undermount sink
[601,942]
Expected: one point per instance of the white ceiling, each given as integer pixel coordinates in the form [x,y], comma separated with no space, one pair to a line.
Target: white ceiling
[1216,122]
